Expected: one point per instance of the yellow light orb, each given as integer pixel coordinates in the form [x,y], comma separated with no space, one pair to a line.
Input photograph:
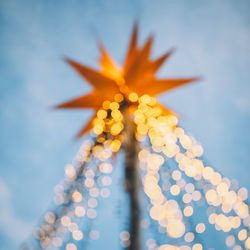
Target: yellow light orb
[179,132]
[106,180]
[243,193]
[102,114]
[72,227]
[119,97]
[105,168]
[208,173]
[197,246]
[71,246]
[92,202]
[175,190]
[175,228]
[116,128]
[222,188]
[98,129]
[230,240]
[152,101]
[247,243]
[143,108]
[117,115]
[114,106]
[145,99]
[57,241]
[143,155]
[241,209]
[124,88]
[176,175]
[157,111]
[212,197]
[77,235]
[188,211]
[216,179]
[142,129]
[237,247]
[133,97]
[50,217]
[242,235]
[157,212]
[187,198]
[91,213]
[89,182]
[185,141]
[65,220]
[79,211]
[189,188]
[200,228]
[105,192]
[76,196]
[115,145]
[197,150]
[196,195]
[236,222]
[94,192]
[124,235]
[189,237]
[70,172]
[212,218]
[106,104]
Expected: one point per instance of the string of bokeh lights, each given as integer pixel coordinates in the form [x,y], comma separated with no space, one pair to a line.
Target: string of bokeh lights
[172,195]
[171,141]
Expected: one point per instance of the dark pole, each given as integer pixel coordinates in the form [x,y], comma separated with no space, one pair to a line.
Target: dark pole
[132,182]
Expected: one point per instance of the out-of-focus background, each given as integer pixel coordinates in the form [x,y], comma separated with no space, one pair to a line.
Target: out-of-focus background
[212,39]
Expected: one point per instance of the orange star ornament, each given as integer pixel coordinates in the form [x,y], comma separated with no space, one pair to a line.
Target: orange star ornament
[136,78]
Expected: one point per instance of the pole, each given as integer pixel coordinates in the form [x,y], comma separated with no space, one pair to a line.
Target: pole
[132,182]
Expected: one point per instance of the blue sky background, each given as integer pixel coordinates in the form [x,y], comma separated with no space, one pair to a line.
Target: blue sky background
[212,39]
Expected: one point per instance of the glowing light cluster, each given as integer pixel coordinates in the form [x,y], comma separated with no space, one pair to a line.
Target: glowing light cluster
[196,246]
[109,119]
[166,212]
[125,239]
[169,140]
[78,198]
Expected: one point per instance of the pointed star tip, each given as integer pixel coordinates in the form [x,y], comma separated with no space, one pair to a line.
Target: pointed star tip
[135,28]
[151,38]
[136,23]
[54,107]
[99,43]
[76,137]
[101,47]
[199,78]
[66,59]
[172,50]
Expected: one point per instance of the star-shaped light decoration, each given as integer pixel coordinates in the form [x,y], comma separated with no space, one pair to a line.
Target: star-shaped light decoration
[123,85]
